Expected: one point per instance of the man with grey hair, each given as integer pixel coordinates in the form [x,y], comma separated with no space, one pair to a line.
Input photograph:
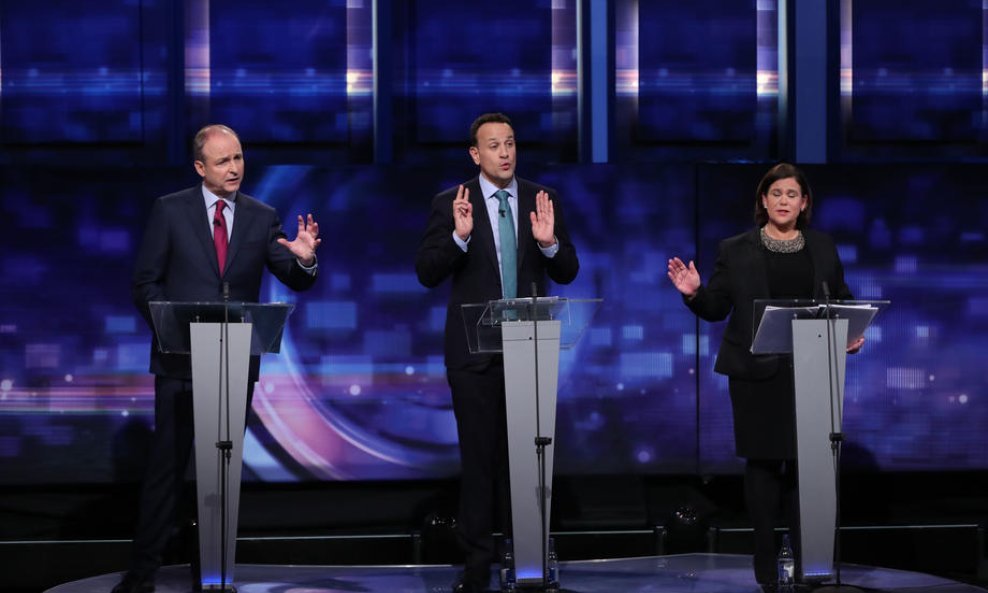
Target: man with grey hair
[204,243]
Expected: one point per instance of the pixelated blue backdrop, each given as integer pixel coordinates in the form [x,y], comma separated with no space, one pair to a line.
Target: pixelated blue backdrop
[358,111]
[359,390]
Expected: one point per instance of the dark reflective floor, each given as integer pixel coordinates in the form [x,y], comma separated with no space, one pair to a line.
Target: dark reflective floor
[694,573]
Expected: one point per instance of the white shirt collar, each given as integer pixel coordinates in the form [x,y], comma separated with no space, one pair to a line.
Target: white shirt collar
[212,198]
[487,188]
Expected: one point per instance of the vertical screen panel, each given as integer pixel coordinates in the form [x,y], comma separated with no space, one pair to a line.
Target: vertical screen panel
[278,74]
[75,72]
[697,71]
[915,69]
[470,58]
[696,81]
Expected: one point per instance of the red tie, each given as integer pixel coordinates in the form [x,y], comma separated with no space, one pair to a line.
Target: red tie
[219,234]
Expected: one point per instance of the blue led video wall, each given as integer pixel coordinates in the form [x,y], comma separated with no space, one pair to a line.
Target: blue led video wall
[359,390]
[455,60]
[90,90]
[82,72]
[697,82]
[914,70]
[281,75]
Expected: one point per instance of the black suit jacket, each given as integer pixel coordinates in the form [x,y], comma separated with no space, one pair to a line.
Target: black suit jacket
[740,276]
[476,273]
[177,262]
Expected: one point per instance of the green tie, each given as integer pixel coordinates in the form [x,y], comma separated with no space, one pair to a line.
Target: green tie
[509,249]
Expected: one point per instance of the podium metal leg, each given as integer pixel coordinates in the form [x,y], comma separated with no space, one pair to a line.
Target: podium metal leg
[212,424]
[519,381]
[819,402]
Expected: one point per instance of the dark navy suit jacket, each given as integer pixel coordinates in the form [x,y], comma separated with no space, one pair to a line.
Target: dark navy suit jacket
[476,274]
[177,261]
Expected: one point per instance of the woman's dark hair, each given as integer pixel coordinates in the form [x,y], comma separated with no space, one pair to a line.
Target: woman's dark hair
[783,171]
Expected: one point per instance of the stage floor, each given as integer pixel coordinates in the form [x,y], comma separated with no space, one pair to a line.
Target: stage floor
[694,573]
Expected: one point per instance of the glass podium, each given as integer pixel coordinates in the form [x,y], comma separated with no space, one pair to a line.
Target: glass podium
[529,332]
[221,339]
[817,334]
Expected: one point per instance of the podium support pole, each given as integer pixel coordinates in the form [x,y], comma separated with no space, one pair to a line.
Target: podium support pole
[213,401]
[818,374]
[528,529]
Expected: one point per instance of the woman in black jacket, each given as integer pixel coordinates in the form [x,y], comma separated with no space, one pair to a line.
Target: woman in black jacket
[780,259]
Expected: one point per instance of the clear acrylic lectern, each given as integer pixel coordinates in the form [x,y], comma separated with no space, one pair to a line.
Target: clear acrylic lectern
[819,352]
[510,326]
[221,337]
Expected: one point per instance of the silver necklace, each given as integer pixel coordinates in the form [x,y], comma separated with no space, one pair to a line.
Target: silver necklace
[783,245]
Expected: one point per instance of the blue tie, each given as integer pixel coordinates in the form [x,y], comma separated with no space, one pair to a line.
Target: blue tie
[509,249]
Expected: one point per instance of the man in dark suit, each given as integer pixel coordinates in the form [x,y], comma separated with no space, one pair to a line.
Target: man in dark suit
[495,236]
[200,243]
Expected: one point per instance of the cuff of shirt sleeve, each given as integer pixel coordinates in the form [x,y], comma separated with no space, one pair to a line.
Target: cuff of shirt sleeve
[310,269]
[552,250]
[460,242]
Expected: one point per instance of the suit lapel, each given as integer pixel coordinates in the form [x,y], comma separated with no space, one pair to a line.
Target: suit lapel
[526,204]
[483,233]
[758,262]
[199,221]
[243,218]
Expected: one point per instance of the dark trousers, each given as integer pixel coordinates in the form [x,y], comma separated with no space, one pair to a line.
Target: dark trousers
[164,478]
[770,494]
[478,404]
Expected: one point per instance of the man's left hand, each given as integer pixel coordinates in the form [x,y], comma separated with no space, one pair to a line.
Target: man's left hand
[543,221]
[306,241]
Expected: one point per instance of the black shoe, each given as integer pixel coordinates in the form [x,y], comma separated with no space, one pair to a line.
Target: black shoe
[133,583]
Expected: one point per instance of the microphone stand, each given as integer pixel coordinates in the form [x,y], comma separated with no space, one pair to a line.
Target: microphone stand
[836,440]
[224,447]
[541,442]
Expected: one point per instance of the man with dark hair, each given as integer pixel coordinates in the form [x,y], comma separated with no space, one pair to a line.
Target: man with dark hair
[198,240]
[516,239]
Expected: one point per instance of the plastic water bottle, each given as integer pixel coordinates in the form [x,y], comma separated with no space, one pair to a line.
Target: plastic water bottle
[507,574]
[787,566]
[552,565]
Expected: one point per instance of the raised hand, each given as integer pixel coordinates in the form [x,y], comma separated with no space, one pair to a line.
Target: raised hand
[543,220]
[855,347]
[685,279]
[463,213]
[306,241]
